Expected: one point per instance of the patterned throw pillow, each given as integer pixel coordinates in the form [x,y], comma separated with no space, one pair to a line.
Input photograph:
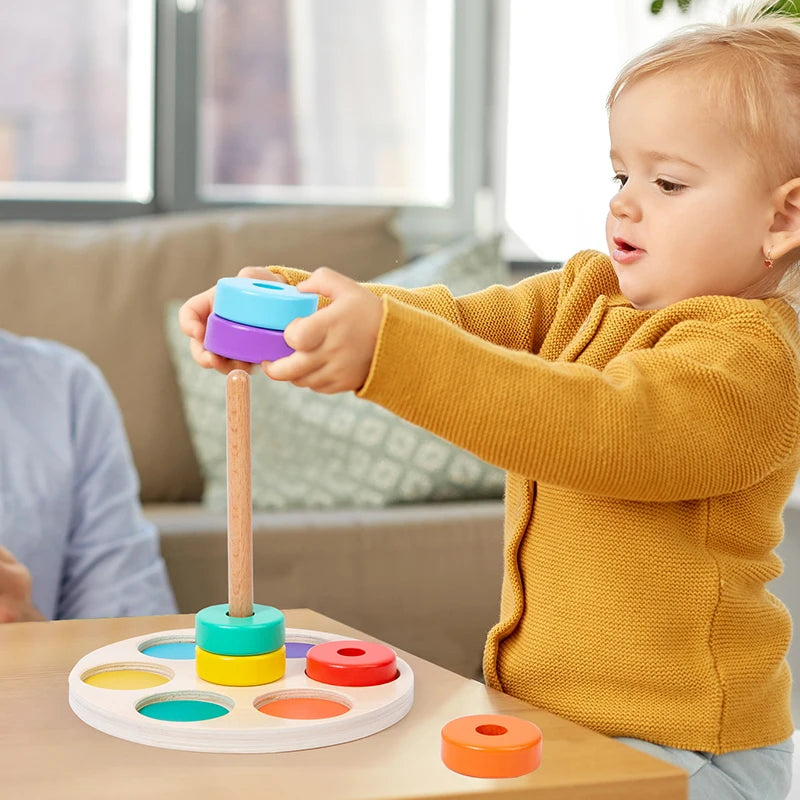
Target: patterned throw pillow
[338,451]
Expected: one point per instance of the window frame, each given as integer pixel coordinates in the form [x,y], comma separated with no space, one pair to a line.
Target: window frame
[175,133]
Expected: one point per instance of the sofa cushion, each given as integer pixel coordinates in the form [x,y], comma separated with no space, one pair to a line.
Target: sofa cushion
[337,451]
[101,287]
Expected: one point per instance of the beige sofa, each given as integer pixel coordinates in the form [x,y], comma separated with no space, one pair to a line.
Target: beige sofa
[425,578]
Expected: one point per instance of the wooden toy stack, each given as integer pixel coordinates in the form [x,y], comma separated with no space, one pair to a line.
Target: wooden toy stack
[240,644]
[343,689]
[250,316]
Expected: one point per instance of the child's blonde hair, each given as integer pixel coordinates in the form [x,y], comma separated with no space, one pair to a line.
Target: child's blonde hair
[751,70]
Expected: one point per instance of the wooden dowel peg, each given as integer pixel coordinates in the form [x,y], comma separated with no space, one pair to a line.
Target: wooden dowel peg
[240,508]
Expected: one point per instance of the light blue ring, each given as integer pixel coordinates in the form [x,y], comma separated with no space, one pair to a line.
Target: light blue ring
[216,632]
[261,304]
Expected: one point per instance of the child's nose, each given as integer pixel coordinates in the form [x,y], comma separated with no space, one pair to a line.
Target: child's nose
[624,205]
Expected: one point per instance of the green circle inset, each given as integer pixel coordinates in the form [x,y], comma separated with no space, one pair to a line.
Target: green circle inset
[183,710]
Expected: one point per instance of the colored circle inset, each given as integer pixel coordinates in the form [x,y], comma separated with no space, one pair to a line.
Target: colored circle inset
[297,649]
[491,746]
[217,632]
[125,678]
[183,710]
[303,708]
[174,651]
[351,663]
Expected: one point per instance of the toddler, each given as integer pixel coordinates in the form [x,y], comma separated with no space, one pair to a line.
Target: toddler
[646,407]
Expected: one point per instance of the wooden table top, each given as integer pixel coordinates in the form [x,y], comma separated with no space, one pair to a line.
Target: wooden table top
[46,752]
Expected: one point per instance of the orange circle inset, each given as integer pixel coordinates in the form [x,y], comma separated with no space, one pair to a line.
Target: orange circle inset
[303,708]
[491,746]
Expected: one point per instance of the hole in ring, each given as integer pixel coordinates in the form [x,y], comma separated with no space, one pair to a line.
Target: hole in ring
[491,730]
[351,652]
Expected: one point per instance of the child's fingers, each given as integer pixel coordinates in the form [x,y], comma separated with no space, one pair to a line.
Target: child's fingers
[326,282]
[200,354]
[308,333]
[262,273]
[193,314]
[324,380]
[292,367]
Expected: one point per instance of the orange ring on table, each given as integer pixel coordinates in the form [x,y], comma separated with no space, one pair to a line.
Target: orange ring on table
[491,746]
[349,662]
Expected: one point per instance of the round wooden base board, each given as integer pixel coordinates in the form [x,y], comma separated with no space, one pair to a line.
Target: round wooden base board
[243,729]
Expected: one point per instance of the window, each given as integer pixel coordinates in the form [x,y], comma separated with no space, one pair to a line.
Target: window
[465,114]
[76,98]
[313,100]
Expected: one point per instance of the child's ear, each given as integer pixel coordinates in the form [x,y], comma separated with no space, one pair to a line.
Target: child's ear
[785,230]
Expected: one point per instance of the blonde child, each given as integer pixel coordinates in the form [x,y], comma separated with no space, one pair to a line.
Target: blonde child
[646,407]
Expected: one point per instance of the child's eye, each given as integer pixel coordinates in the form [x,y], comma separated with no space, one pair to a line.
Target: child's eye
[620,178]
[669,187]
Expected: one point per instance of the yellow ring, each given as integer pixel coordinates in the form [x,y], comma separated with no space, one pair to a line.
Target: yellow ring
[240,670]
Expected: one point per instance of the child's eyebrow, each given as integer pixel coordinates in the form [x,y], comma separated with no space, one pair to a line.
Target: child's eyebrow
[658,155]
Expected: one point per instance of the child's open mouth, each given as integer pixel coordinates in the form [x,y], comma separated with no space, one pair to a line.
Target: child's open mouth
[624,252]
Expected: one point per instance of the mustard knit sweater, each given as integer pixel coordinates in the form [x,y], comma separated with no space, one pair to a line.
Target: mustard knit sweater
[649,456]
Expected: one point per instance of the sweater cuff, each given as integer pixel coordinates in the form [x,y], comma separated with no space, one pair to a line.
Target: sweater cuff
[403,349]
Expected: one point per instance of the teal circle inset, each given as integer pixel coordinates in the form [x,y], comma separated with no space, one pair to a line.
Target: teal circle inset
[183,710]
[261,304]
[177,651]
[223,635]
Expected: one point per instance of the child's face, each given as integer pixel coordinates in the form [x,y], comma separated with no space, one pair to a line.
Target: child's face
[692,212]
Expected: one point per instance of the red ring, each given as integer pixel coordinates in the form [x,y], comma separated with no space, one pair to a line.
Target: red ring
[349,662]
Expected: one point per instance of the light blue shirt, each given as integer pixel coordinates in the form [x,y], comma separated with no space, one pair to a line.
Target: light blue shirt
[69,507]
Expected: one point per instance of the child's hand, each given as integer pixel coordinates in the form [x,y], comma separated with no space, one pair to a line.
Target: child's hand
[194,313]
[334,346]
[15,591]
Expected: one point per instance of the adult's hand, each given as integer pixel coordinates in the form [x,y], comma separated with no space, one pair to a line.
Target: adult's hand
[15,591]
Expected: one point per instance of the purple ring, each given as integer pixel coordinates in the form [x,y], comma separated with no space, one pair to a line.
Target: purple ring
[244,342]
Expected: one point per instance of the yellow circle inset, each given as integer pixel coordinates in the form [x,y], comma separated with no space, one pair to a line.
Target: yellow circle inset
[126,679]
[241,670]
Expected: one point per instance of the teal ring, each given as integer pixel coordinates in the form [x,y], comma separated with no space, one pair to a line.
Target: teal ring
[216,632]
[261,304]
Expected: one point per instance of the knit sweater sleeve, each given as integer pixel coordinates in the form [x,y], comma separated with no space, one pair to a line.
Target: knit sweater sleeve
[516,316]
[710,409]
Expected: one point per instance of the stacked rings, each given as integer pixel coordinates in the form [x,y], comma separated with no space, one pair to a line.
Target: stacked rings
[240,651]
[250,316]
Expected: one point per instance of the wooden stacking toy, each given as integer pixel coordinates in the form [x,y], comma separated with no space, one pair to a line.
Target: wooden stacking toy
[491,746]
[250,316]
[239,644]
[239,682]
